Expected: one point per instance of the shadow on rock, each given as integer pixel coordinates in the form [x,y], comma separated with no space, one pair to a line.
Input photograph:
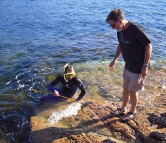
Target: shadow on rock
[78,133]
[53,133]
[108,141]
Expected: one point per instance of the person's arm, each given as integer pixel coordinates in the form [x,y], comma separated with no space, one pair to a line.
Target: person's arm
[51,88]
[82,88]
[117,55]
[52,84]
[147,55]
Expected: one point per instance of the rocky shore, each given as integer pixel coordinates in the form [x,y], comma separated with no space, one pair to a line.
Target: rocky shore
[94,124]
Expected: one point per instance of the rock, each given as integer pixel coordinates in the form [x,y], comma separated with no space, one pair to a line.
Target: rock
[93,123]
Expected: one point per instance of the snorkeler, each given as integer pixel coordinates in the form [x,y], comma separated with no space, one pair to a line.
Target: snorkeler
[69,85]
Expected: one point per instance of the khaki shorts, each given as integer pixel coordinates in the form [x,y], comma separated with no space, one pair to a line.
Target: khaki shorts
[132,81]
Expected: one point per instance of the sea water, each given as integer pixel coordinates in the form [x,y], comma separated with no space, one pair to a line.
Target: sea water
[70,110]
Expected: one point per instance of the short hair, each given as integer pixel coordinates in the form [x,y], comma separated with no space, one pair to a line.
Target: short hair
[115,15]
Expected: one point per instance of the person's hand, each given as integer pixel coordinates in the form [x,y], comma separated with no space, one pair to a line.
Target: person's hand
[144,71]
[56,93]
[111,65]
[79,98]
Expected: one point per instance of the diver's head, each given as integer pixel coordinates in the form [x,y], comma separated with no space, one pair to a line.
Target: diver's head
[69,71]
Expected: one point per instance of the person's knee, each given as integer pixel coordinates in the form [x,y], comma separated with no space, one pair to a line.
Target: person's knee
[132,92]
[125,91]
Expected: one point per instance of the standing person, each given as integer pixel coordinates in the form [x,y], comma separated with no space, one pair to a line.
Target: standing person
[136,49]
[69,85]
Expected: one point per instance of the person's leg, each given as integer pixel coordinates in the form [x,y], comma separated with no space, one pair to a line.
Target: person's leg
[133,100]
[122,111]
[136,84]
[126,98]
[126,95]
[132,113]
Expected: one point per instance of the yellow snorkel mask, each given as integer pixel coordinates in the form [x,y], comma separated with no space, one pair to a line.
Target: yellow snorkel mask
[69,72]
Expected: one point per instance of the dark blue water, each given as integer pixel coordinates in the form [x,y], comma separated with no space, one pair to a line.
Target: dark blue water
[38,37]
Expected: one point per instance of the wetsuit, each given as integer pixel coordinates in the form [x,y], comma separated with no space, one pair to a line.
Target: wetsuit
[68,88]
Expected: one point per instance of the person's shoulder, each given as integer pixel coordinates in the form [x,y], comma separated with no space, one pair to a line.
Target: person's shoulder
[77,78]
[135,25]
[60,75]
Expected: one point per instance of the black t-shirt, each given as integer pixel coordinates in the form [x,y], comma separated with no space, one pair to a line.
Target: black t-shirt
[133,41]
[67,85]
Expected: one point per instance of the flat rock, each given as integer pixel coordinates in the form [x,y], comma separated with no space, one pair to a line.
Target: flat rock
[94,124]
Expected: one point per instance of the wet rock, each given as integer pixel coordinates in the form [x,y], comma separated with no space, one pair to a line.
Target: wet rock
[93,123]
[158,136]
[160,121]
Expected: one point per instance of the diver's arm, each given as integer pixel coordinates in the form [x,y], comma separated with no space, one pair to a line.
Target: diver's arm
[82,88]
[53,83]
[50,88]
